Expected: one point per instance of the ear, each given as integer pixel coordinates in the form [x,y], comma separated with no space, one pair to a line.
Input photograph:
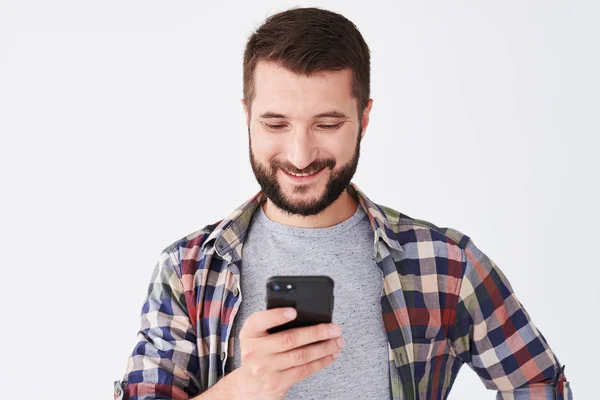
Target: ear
[365,117]
[246,112]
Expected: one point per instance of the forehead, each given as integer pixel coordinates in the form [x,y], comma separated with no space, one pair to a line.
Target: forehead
[280,90]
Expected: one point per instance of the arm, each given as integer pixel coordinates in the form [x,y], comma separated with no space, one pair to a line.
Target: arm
[164,363]
[494,335]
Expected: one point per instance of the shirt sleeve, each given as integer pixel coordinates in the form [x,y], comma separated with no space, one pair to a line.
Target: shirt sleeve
[164,363]
[495,336]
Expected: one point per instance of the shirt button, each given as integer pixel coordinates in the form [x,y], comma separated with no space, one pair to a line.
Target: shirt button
[236,292]
[223,356]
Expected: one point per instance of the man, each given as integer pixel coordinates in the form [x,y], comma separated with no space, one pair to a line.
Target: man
[413,301]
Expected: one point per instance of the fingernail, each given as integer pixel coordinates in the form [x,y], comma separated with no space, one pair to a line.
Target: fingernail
[336,354]
[289,313]
[335,330]
[340,343]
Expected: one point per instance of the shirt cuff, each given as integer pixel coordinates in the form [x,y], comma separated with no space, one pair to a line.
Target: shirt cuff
[562,387]
[560,390]
[119,391]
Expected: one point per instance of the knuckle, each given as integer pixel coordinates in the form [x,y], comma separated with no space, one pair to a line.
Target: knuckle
[306,370]
[321,332]
[288,340]
[258,369]
[321,363]
[300,357]
[247,355]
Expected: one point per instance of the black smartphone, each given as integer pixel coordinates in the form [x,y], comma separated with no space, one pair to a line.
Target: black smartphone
[310,295]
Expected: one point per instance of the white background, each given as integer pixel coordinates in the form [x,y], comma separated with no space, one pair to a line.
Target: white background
[122,131]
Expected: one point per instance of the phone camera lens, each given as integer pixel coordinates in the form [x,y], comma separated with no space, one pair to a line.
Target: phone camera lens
[276,287]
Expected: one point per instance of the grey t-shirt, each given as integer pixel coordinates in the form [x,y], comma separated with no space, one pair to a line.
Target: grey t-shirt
[345,253]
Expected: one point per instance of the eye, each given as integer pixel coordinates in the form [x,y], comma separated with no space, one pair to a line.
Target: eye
[331,127]
[273,127]
[320,126]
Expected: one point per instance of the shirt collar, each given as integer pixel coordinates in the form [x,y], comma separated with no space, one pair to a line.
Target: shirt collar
[228,236]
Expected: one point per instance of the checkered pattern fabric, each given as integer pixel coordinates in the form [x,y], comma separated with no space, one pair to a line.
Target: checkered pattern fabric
[445,304]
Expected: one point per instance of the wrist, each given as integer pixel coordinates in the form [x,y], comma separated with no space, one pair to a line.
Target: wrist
[225,389]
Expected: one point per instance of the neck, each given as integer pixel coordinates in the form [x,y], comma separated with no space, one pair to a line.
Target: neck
[340,210]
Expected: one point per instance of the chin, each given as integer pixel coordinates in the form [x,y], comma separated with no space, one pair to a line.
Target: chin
[312,190]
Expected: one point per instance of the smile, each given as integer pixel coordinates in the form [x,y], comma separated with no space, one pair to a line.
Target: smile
[303,177]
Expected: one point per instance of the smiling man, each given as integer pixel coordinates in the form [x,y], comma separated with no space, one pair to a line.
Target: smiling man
[414,301]
[303,157]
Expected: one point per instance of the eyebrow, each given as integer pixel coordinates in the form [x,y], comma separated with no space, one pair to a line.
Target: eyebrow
[329,114]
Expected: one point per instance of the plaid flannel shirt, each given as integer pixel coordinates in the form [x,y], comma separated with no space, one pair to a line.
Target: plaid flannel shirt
[445,303]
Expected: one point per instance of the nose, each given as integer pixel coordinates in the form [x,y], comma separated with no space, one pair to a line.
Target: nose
[301,149]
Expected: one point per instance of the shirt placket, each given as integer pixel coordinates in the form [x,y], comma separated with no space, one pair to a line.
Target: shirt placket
[402,351]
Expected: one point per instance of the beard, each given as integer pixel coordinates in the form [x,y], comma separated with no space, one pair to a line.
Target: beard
[337,183]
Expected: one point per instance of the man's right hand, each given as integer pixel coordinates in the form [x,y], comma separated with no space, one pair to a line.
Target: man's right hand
[272,363]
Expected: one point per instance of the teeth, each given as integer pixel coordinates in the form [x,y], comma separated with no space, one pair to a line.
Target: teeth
[303,174]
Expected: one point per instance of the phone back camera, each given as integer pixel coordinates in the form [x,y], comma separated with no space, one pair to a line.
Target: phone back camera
[283,287]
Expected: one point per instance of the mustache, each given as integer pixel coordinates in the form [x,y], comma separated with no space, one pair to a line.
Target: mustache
[314,166]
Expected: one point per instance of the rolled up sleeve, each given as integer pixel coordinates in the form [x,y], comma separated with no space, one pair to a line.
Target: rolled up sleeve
[164,363]
[495,336]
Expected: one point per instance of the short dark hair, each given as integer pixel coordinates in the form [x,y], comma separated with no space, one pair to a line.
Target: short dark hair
[307,40]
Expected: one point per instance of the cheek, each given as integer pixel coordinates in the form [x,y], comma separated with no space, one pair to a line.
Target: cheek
[264,147]
[342,149]
[339,147]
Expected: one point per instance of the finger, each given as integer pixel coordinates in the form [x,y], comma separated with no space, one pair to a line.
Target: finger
[295,337]
[256,324]
[297,374]
[305,354]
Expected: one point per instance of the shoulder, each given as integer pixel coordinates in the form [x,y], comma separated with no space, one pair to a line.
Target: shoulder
[406,228]
[421,238]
